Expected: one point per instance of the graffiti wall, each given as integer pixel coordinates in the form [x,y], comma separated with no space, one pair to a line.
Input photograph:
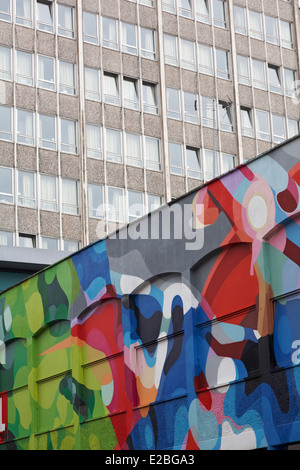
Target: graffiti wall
[187,338]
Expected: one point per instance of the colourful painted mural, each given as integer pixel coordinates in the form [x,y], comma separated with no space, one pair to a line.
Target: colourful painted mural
[136,343]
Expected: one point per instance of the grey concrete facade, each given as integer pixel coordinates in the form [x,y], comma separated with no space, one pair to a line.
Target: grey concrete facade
[128,73]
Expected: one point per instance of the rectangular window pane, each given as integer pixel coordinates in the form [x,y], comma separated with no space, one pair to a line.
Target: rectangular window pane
[171,50]
[96,202]
[115,204]
[47,132]
[259,74]
[93,141]
[130,93]
[135,205]
[247,124]
[222,64]
[173,103]
[286,33]
[175,155]
[225,116]
[169,5]
[90,28]
[228,162]
[45,15]
[114,145]
[65,21]
[109,33]
[243,70]
[150,98]
[48,193]
[5,123]
[67,78]
[191,113]
[5,63]
[152,153]
[26,189]
[71,245]
[68,136]
[25,127]
[187,54]
[289,82]
[154,202]
[49,243]
[6,185]
[46,72]
[205,59]
[262,125]
[129,38]
[92,84]
[193,163]
[70,197]
[240,20]
[208,110]
[271,28]
[219,13]
[27,241]
[293,128]
[111,89]
[148,48]
[5,10]
[255,25]
[202,11]
[274,78]
[211,164]
[24,68]
[24,12]
[133,150]
[278,128]
[185,8]
[6,238]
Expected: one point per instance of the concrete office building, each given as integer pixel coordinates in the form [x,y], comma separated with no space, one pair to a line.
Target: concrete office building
[109,108]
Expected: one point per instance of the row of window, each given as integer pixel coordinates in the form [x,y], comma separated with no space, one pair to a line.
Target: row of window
[139,152]
[63,194]
[32,241]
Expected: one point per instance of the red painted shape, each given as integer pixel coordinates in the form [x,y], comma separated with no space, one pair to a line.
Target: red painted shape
[3,418]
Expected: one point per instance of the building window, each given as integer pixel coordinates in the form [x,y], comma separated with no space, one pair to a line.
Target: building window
[219,13]
[26,189]
[6,238]
[271,29]
[286,34]
[96,201]
[175,156]
[130,93]
[6,185]
[148,48]
[65,21]
[240,20]
[262,125]
[208,107]
[48,193]
[115,198]
[185,8]
[45,15]
[71,245]
[274,78]
[133,150]
[202,11]
[70,197]
[193,164]
[171,49]
[152,153]
[109,33]
[111,88]
[222,64]
[191,107]
[93,141]
[48,243]
[293,127]
[92,83]
[5,10]
[169,5]
[27,241]
[67,78]
[259,74]
[247,121]
[278,128]
[205,59]
[225,116]
[129,38]
[5,123]
[46,73]
[113,145]
[24,68]
[227,162]
[90,28]
[255,25]
[150,104]
[47,132]
[154,202]
[5,63]
[289,82]
[25,127]
[187,54]
[211,165]
[243,70]
[135,205]
[24,12]
[68,136]
[173,103]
